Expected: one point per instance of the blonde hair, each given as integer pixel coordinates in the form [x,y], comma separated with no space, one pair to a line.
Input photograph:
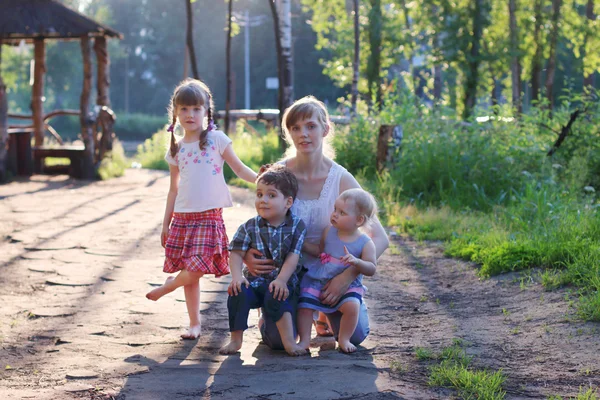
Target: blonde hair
[190,92]
[364,203]
[306,108]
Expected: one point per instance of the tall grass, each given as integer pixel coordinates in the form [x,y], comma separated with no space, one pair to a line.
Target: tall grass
[490,191]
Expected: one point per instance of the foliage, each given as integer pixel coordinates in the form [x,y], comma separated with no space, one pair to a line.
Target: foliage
[114,163]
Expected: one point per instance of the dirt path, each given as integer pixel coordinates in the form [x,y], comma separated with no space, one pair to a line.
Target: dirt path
[76,259]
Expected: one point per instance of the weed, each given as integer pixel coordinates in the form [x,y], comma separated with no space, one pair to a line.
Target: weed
[424,354]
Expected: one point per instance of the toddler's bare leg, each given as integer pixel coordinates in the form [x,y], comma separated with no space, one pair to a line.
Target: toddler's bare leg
[285,327]
[183,278]
[348,324]
[192,301]
[305,319]
[235,343]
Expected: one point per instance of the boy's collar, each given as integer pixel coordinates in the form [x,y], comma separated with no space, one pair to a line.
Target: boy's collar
[287,221]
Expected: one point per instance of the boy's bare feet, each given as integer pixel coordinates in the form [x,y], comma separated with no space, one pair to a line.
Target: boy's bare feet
[231,348]
[347,347]
[295,350]
[192,333]
[159,291]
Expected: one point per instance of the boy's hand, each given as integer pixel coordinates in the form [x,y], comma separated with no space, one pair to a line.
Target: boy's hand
[348,259]
[164,235]
[235,287]
[279,289]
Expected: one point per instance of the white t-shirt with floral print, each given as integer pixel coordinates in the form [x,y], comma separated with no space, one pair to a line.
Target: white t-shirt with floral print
[201,182]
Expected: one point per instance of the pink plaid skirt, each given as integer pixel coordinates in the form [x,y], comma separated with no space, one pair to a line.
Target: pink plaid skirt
[197,242]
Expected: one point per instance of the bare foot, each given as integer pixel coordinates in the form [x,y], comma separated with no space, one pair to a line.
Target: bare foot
[347,347]
[304,344]
[295,350]
[159,291]
[192,333]
[231,348]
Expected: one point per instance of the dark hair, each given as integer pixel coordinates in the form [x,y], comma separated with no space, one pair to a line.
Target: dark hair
[191,92]
[282,178]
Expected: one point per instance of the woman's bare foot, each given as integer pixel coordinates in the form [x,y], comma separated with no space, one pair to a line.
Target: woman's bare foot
[347,347]
[295,350]
[192,333]
[159,291]
[231,348]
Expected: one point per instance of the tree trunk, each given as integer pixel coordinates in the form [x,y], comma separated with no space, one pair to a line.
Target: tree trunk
[3,124]
[190,38]
[103,99]
[374,62]
[89,169]
[410,49]
[473,60]
[228,67]
[515,65]
[279,51]
[536,62]
[103,62]
[437,69]
[588,79]
[37,95]
[551,68]
[286,53]
[356,61]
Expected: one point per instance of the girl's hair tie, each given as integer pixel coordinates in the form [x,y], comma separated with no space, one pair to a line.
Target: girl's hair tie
[171,128]
[211,125]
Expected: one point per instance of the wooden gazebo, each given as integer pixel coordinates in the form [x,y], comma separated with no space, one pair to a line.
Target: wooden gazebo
[35,21]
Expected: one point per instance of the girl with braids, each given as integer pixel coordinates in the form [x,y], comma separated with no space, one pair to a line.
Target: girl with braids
[193,232]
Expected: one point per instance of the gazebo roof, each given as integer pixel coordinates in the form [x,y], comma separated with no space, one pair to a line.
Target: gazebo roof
[48,19]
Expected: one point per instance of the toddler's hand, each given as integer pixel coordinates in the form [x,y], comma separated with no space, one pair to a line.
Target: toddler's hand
[279,289]
[348,259]
[163,236]
[235,287]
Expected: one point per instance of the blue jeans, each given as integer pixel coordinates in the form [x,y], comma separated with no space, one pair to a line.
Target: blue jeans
[270,334]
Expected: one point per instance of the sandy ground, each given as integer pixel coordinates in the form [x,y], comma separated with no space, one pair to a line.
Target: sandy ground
[76,259]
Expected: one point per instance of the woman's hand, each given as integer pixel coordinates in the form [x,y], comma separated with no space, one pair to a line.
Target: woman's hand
[334,289]
[256,264]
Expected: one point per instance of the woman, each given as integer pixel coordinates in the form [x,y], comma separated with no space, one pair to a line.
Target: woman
[308,130]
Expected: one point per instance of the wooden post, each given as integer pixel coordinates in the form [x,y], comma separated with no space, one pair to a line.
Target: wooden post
[103,62]
[88,168]
[3,124]
[388,143]
[37,94]
[103,99]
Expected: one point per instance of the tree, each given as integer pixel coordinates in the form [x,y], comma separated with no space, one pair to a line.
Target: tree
[190,37]
[589,38]
[228,66]
[536,62]
[473,58]
[551,66]
[515,65]
[3,123]
[374,62]
[356,61]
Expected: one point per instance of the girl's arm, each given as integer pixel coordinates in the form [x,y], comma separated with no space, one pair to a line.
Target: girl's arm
[315,250]
[171,196]
[238,167]
[367,263]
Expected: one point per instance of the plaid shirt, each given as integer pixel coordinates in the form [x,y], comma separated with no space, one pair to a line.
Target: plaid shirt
[274,242]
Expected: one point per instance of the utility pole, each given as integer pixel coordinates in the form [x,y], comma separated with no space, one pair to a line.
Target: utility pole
[247,22]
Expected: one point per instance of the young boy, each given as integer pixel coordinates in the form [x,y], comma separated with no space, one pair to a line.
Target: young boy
[279,235]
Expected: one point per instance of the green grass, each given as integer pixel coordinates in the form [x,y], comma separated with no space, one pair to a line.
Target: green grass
[453,371]
[584,394]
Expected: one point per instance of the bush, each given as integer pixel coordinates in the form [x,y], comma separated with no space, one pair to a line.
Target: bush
[127,126]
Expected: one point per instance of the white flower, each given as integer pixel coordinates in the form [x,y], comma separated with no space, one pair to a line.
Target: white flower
[557,166]
[589,189]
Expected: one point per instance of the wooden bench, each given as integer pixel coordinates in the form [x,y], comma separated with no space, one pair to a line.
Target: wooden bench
[74,153]
[19,151]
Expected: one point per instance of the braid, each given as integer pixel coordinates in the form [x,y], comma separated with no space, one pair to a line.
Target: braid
[173,148]
[210,127]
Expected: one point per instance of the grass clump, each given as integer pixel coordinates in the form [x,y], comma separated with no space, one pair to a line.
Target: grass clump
[454,372]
